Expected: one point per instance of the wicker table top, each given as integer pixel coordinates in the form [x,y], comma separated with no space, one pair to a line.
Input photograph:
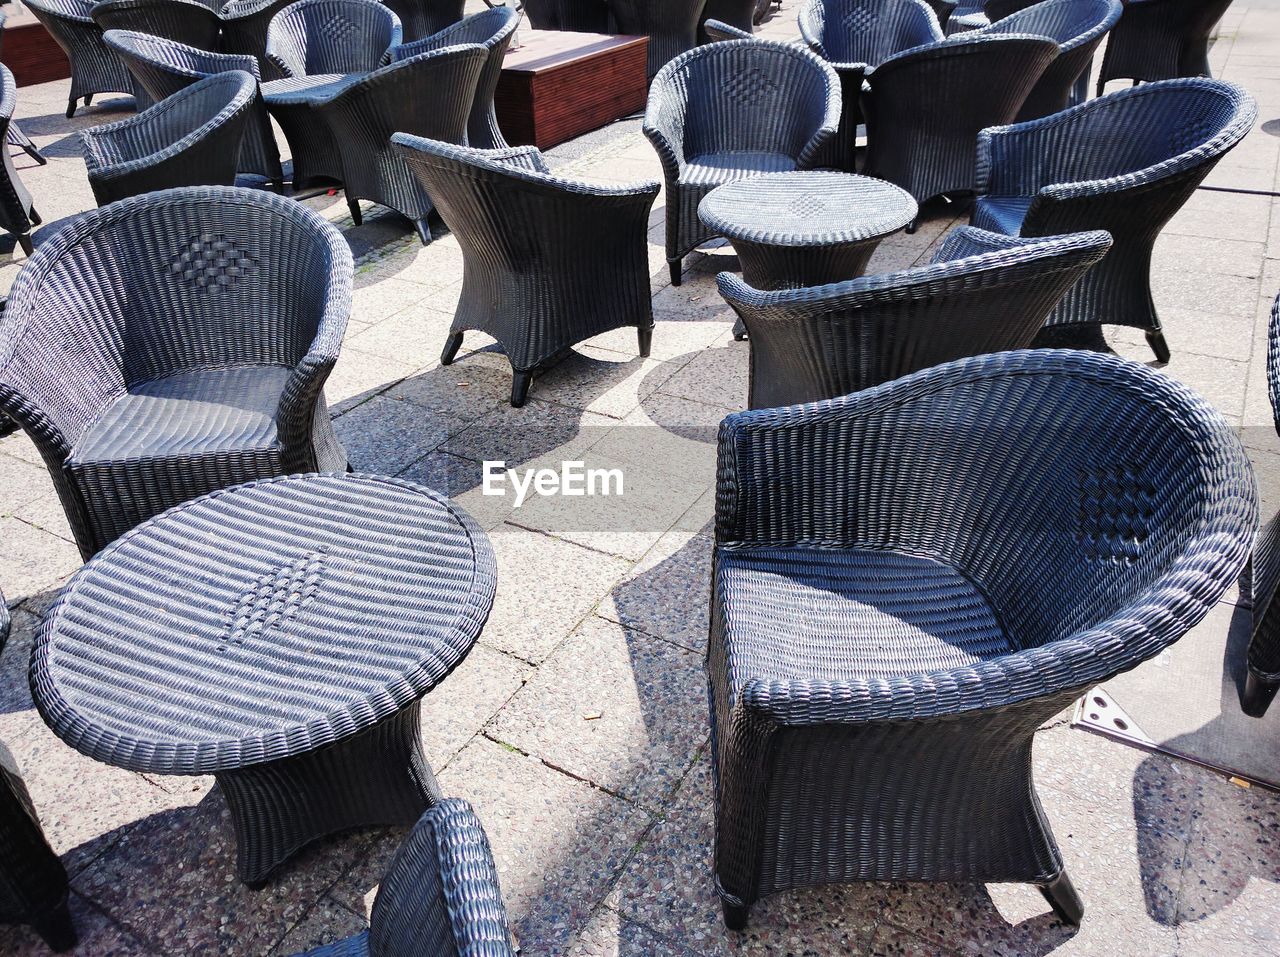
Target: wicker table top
[806,209]
[261,622]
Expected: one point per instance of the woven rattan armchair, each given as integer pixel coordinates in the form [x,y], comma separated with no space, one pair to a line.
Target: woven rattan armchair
[926,106]
[493,30]
[1078,26]
[244,31]
[670,25]
[1262,680]
[440,896]
[320,37]
[15,136]
[207,321]
[163,67]
[910,580]
[1071,171]
[191,138]
[580,16]
[427,95]
[95,68]
[1161,40]
[547,262]
[982,293]
[735,109]
[33,882]
[855,36]
[422,18]
[182,21]
[964,17]
[17,213]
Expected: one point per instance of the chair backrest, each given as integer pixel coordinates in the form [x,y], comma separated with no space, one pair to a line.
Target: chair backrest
[717,30]
[183,21]
[1132,498]
[983,293]
[75,10]
[1070,23]
[670,25]
[244,31]
[421,18]
[313,37]
[163,67]
[866,31]
[579,16]
[749,96]
[440,896]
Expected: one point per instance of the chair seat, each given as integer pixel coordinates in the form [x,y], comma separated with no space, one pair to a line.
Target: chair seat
[716,168]
[1001,214]
[843,614]
[308,89]
[205,411]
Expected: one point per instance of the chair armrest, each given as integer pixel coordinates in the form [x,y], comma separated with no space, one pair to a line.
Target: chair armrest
[664,120]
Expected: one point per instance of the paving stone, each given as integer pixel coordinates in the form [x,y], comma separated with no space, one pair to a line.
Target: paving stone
[717,376]
[616,707]
[385,435]
[326,923]
[455,711]
[172,880]
[596,381]
[558,842]
[609,934]
[672,338]
[97,934]
[668,887]
[1228,256]
[32,559]
[358,376]
[533,613]
[665,595]
[415,335]
[1214,215]
[461,392]
[538,429]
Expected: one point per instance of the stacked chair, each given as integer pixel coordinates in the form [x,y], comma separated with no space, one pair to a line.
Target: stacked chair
[1079,27]
[17,212]
[730,110]
[208,320]
[926,106]
[191,138]
[909,581]
[163,67]
[95,67]
[1161,40]
[1125,162]
[855,36]
[547,262]
[982,293]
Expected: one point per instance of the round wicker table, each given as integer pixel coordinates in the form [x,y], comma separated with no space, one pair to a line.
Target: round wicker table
[801,229]
[278,635]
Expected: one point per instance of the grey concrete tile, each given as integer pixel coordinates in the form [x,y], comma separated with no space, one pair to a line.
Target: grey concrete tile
[415,335]
[1223,216]
[665,595]
[326,923]
[668,887]
[609,934]
[672,339]
[1228,256]
[599,381]
[534,612]
[385,435]
[379,300]
[889,941]
[32,559]
[455,711]
[1184,287]
[98,935]
[618,708]
[558,842]
[461,392]
[717,376]
[358,376]
[539,428]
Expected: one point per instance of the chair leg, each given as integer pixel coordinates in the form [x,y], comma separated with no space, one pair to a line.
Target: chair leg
[520,388]
[739,329]
[34,216]
[1155,339]
[735,915]
[24,240]
[424,231]
[675,266]
[71,107]
[88,100]
[56,929]
[644,336]
[354,205]
[1258,695]
[35,154]
[913,226]
[451,347]
[1064,900]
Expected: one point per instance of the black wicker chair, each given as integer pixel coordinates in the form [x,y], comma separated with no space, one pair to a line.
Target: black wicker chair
[33,882]
[427,95]
[440,896]
[1161,40]
[982,293]
[163,67]
[717,31]
[207,320]
[579,16]
[670,25]
[244,31]
[15,136]
[926,106]
[191,138]
[421,18]
[547,262]
[1263,677]
[964,17]
[493,30]
[855,36]
[95,68]
[332,37]
[1125,162]
[17,213]
[182,21]
[739,14]
[910,580]
[1078,26]
[734,109]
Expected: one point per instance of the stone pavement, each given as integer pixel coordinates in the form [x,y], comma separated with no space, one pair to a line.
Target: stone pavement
[577,727]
